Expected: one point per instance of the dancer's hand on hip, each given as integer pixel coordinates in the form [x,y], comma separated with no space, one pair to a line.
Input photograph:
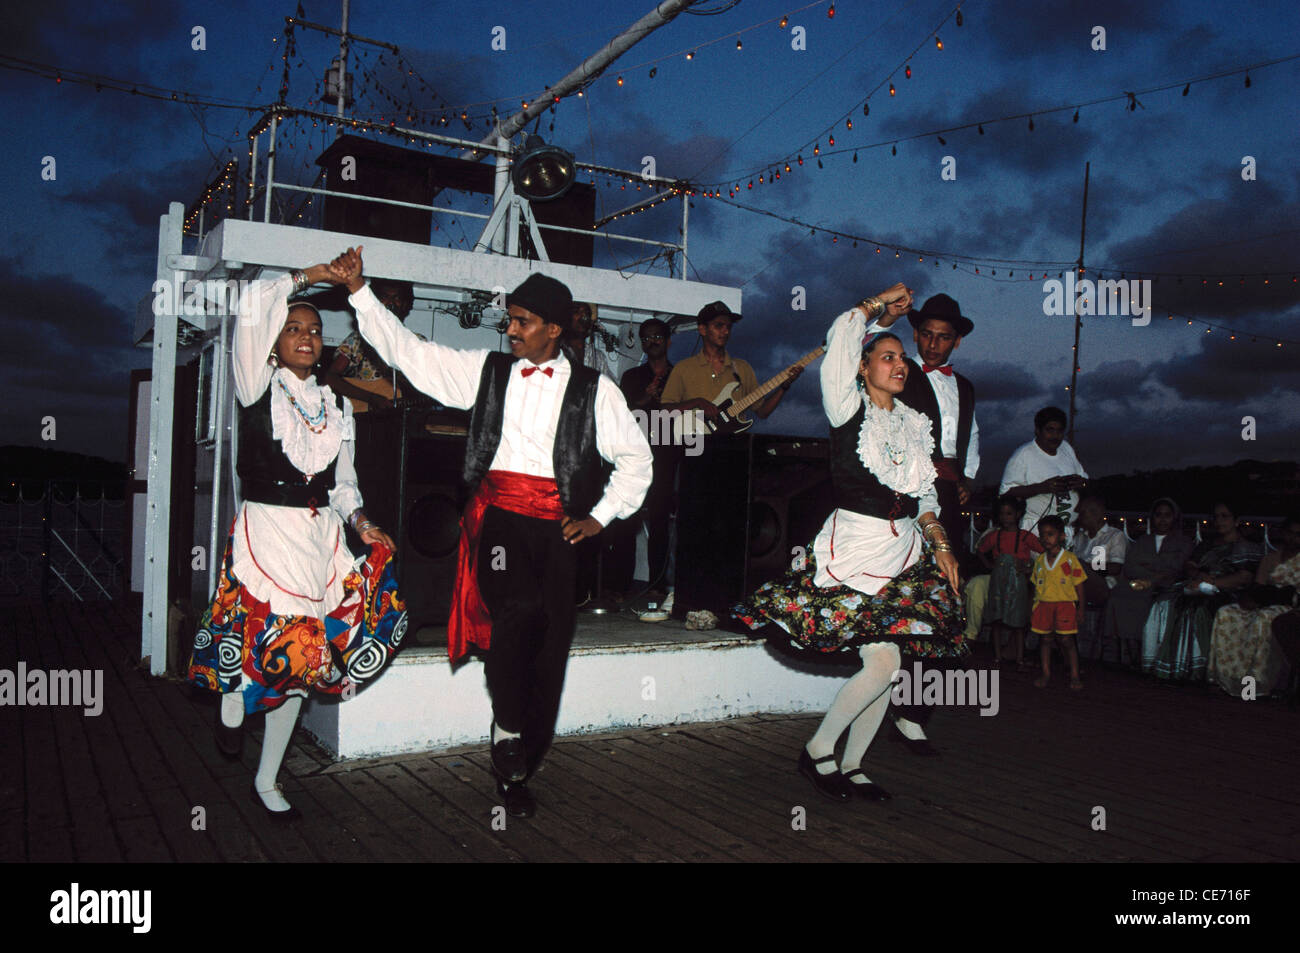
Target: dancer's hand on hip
[577,530]
[377,535]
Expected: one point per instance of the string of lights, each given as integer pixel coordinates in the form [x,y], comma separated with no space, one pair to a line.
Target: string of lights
[771,170]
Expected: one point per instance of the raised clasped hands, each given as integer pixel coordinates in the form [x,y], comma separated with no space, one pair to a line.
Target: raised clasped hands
[346,269]
[898,301]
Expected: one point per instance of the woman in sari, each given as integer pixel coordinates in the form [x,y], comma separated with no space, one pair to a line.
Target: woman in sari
[1150,568]
[1242,643]
[1213,576]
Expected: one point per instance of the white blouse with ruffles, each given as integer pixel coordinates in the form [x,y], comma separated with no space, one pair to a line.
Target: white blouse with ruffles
[854,550]
[286,555]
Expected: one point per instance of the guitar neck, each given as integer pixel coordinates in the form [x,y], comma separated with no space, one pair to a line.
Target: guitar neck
[754,396]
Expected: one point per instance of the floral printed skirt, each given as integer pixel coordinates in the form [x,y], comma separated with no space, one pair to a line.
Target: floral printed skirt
[916,610]
[241,645]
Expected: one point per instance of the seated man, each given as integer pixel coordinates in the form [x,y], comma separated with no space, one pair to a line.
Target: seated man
[1099,546]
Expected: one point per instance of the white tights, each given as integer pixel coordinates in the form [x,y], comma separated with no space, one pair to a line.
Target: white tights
[275,742]
[859,706]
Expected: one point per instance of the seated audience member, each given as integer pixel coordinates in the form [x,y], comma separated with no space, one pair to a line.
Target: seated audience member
[1045,473]
[1242,643]
[1151,566]
[1177,631]
[1099,546]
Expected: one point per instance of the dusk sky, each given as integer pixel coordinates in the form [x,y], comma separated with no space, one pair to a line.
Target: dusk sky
[1172,192]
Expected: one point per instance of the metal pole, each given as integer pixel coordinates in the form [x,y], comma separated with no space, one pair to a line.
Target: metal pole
[686,218]
[592,66]
[1078,320]
[270,166]
[252,179]
[343,63]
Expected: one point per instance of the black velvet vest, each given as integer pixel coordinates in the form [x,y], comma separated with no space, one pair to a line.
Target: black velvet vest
[580,472]
[919,395]
[265,473]
[855,487]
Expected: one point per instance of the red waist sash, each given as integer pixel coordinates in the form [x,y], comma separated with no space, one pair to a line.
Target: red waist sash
[945,468]
[519,493]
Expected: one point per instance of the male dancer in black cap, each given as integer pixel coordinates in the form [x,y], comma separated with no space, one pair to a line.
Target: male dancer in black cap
[539,431]
[948,399]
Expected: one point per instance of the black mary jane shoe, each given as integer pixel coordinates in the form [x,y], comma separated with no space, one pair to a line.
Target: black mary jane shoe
[510,760]
[230,741]
[282,817]
[518,799]
[869,790]
[832,785]
[919,746]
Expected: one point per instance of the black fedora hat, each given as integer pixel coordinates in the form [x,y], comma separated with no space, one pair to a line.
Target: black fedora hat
[943,308]
[716,310]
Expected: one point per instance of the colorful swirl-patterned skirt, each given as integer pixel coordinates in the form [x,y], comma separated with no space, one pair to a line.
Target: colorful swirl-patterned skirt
[242,645]
[916,610]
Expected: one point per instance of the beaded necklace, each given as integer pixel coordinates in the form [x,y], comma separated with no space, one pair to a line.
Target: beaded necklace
[317,422]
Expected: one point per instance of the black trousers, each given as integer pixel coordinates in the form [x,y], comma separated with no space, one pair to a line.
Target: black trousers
[655,513]
[526,577]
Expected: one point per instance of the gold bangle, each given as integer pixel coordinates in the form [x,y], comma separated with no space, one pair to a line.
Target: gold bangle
[873,306]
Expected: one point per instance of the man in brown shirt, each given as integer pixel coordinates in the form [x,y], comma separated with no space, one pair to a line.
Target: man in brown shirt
[713,493]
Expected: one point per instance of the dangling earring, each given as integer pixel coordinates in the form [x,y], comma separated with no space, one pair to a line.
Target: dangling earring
[272,359]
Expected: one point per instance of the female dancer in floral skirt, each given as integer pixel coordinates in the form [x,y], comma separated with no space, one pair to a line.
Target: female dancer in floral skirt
[881,579]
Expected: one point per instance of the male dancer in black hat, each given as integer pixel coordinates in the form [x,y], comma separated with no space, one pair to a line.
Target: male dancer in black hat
[948,399]
[539,431]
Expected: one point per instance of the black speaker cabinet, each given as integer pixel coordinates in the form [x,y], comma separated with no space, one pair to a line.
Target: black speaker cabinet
[790,498]
[409,465]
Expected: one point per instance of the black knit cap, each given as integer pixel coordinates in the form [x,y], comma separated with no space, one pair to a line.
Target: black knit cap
[545,297]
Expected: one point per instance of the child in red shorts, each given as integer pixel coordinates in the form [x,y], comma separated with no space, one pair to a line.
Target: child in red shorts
[1057,578]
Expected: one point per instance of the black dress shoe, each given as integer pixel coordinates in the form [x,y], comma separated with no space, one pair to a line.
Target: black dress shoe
[509,759]
[230,741]
[868,790]
[832,785]
[292,814]
[518,799]
[920,746]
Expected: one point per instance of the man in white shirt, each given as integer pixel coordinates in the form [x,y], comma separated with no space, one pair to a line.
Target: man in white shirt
[539,431]
[1099,546]
[1045,473]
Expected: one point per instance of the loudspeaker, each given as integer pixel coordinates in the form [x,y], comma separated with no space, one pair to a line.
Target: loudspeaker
[409,463]
[432,501]
[790,498]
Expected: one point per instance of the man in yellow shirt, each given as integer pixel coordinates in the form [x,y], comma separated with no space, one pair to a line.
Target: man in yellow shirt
[713,494]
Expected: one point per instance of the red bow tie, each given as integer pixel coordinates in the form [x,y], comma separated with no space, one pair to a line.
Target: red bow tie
[548,371]
[946,369]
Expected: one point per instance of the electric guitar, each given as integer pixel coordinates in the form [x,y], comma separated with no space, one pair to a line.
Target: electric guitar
[729,421]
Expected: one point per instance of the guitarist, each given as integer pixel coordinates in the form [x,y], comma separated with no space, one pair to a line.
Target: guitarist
[713,487]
